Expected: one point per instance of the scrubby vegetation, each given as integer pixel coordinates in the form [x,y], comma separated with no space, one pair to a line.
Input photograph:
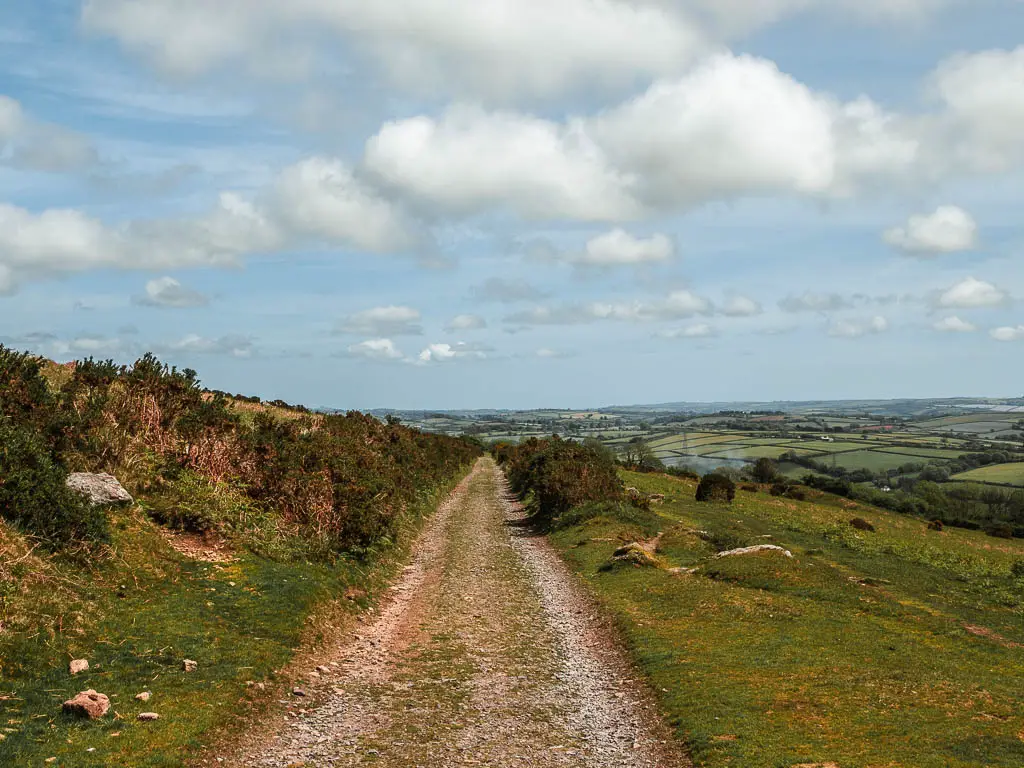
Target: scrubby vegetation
[307,507]
[336,483]
[556,476]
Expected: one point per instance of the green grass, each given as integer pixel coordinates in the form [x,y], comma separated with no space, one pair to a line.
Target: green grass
[1006,474]
[856,651]
[136,617]
[875,461]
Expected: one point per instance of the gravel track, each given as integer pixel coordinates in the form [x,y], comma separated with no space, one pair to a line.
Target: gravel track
[487,654]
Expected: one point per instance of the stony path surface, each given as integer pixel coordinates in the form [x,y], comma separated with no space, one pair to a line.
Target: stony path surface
[487,655]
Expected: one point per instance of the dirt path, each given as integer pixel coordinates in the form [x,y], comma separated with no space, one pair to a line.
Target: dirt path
[488,655]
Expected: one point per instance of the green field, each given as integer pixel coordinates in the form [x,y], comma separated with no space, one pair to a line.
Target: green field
[894,648]
[1005,474]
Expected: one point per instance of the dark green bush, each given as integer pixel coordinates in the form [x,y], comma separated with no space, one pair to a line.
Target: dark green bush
[558,475]
[34,497]
[716,487]
[862,525]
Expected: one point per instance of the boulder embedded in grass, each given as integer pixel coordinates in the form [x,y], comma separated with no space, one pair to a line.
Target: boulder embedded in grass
[633,554]
[88,704]
[189,666]
[100,490]
[77,666]
[754,551]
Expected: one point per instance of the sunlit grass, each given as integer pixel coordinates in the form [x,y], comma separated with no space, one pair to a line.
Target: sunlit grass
[893,648]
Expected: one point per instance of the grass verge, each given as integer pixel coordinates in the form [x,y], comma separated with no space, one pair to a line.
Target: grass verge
[137,616]
[901,647]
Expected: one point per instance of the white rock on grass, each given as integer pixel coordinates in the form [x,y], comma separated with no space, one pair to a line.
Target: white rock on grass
[100,490]
[78,665]
[754,551]
[144,696]
[148,717]
[189,666]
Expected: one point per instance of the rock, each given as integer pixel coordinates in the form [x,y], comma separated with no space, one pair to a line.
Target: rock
[323,670]
[754,551]
[298,692]
[189,666]
[144,696]
[78,665]
[88,704]
[633,554]
[99,489]
[148,717]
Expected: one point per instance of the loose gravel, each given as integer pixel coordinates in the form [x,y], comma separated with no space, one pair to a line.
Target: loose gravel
[488,654]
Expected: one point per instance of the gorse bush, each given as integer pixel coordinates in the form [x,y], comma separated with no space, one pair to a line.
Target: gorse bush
[33,494]
[339,482]
[716,487]
[557,475]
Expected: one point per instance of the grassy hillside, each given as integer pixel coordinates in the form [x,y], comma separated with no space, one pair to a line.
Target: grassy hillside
[898,647]
[255,529]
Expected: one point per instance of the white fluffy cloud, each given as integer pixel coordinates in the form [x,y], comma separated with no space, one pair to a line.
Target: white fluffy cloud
[466,323]
[316,202]
[1009,333]
[971,293]
[733,126]
[741,306]
[383,322]
[953,324]
[677,305]
[376,349]
[983,94]
[492,49]
[619,248]
[170,293]
[443,353]
[40,146]
[470,160]
[320,198]
[854,329]
[194,344]
[948,230]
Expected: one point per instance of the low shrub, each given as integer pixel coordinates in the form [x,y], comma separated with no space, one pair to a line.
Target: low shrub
[935,525]
[557,475]
[34,497]
[862,525]
[1000,530]
[716,487]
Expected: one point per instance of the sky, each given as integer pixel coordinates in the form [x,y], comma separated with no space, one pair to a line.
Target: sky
[452,204]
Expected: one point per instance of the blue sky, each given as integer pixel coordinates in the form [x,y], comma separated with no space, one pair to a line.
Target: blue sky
[517,203]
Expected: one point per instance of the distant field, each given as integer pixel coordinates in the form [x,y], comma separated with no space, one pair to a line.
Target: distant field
[874,461]
[925,453]
[757,452]
[1008,474]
